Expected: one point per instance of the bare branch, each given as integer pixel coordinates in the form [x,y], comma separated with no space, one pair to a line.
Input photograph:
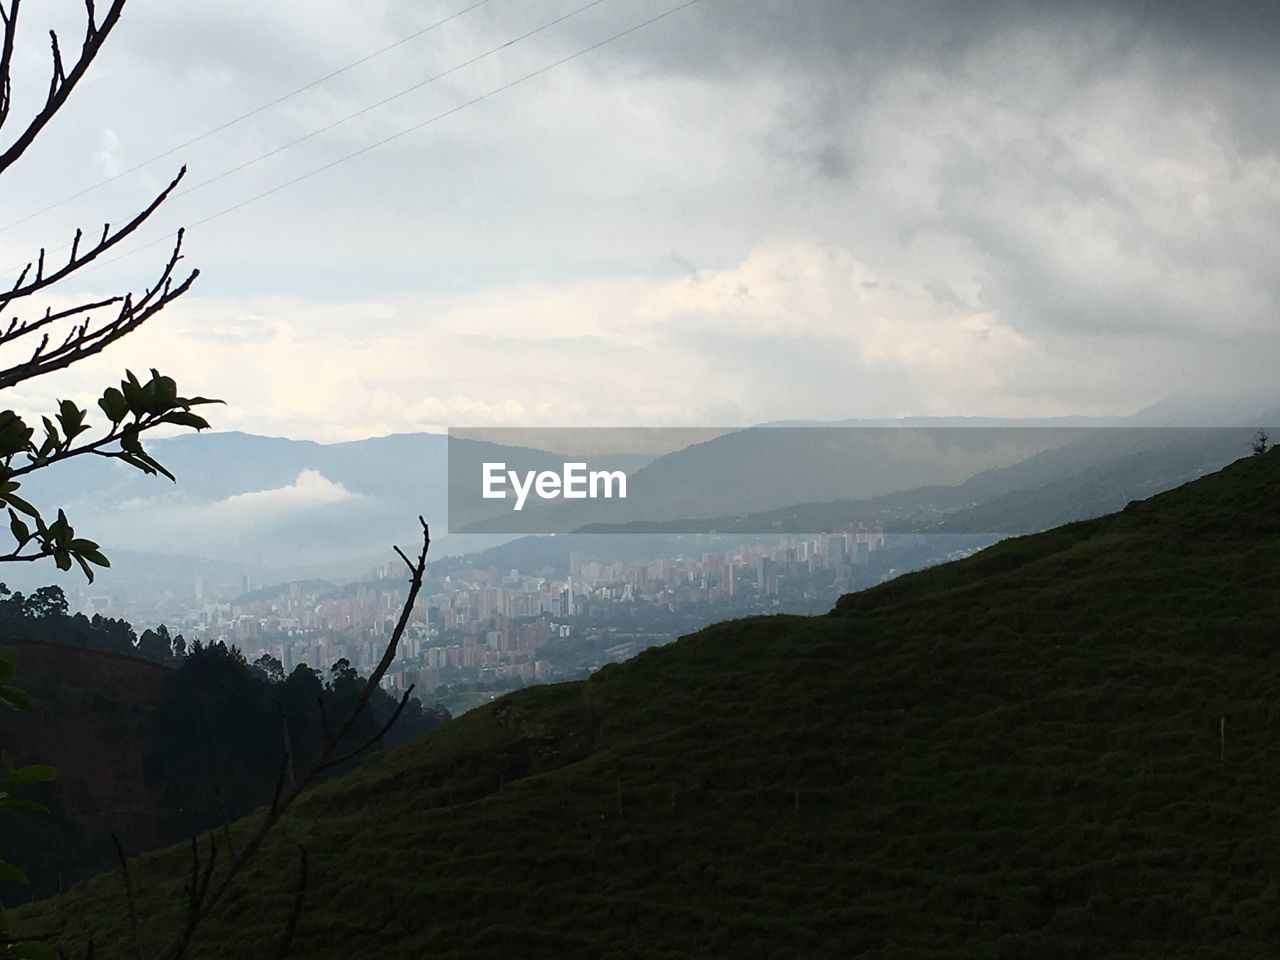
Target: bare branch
[382,732]
[17,557]
[208,867]
[192,889]
[128,895]
[132,315]
[59,74]
[389,654]
[286,764]
[6,58]
[207,898]
[62,82]
[324,718]
[226,820]
[291,928]
[74,263]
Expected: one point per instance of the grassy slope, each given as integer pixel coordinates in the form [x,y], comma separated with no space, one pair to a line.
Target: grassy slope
[1015,755]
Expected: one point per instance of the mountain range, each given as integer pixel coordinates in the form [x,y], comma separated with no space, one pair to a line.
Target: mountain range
[267,509]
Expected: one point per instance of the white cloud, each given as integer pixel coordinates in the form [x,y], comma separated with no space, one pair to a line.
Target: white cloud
[311,489]
[222,528]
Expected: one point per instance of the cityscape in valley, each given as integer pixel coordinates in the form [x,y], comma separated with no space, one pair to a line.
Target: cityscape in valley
[481,627]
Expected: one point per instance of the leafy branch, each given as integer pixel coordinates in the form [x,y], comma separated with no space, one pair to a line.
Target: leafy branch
[132,409]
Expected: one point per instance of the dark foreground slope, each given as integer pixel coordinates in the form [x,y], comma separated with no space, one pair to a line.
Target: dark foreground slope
[1018,755]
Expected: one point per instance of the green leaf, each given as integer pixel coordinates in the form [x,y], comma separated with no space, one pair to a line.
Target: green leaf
[95,557]
[9,872]
[184,418]
[19,504]
[52,439]
[61,532]
[114,405]
[71,419]
[21,532]
[22,805]
[165,387]
[33,773]
[15,699]
[129,441]
[146,464]
[15,435]
[134,394]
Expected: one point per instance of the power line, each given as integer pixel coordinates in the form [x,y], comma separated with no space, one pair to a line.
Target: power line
[336,123]
[407,130]
[385,100]
[245,116]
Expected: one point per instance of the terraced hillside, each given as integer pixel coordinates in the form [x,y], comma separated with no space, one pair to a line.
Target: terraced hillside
[1065,746]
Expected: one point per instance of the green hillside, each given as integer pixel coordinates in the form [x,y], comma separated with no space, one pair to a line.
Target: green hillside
[1018,755]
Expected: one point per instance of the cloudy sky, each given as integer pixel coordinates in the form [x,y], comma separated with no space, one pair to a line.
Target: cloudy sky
[749,210]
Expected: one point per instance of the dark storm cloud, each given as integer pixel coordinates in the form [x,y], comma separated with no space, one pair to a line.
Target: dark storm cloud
[842,46]
[825,30]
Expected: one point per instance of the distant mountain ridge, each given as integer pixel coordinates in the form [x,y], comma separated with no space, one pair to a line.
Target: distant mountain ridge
[270,508]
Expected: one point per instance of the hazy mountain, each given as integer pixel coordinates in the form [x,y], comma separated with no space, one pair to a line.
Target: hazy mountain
[271,508]
[764,468]
[820,478]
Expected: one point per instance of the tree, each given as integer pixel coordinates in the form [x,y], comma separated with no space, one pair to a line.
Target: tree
[1260,442]
[37,339]
[46,602]
[155,645]
[270,667]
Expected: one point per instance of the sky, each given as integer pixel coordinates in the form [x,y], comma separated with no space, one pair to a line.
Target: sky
[749,210]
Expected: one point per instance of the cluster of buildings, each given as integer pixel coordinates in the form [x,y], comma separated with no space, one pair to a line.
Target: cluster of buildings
[474,623]
[479,622]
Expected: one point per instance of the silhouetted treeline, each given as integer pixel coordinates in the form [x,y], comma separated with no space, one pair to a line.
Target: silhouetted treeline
[222,729]
[43,616]
[210,741]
